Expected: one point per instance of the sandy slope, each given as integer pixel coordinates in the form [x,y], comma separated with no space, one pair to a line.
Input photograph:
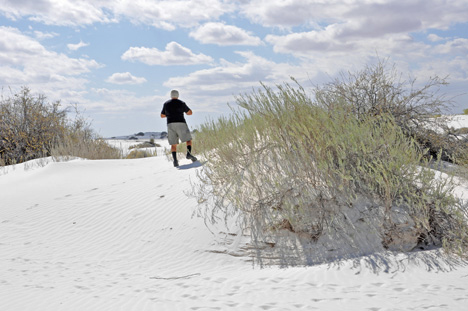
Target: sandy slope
[120,235]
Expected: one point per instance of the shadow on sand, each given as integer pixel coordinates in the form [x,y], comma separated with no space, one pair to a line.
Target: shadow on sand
[293,253]
[191,165]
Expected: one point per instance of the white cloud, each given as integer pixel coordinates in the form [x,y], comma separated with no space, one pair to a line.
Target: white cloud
[279,13]
[387,15]
[120,100]
[221,34]
[45,35]
[166,14]
[306,42]
[77,46]
[339,40]
[23,52]
[24,61]
[232,78]
[340,26]
[434,38]
[125,78]
[57,12]
[174,54]
[169,14]
[455,46]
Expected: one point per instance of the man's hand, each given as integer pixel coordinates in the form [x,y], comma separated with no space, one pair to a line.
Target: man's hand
[163,115]
[189,113]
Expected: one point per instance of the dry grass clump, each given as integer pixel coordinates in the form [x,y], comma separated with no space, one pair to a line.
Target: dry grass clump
[147,144]
[461,131]
[326,171]
[135,154]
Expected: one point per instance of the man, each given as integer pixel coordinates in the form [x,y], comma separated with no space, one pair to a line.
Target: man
[177,128]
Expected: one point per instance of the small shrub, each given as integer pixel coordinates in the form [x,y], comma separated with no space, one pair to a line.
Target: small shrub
[461,131]
[465,111]
[379,89]
[136,154]
[31,128]
[149,144]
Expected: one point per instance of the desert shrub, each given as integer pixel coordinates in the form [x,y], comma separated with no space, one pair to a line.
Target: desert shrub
[465,111]
[31,127]
[380,89]
[135,154]
[149,144]
[287,162]
[417,109]
[461,131]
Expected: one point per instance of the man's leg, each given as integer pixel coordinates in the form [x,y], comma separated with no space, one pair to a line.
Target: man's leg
[189,151]
[189,147]
[174,154]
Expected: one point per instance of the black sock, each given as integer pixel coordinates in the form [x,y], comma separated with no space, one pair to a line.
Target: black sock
[189,149]
[174,155]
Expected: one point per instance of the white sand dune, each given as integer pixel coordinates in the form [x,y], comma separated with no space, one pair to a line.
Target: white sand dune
[122,235]
[457,121]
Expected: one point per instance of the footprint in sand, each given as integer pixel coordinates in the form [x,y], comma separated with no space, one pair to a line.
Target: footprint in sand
[81,287]
[33,206]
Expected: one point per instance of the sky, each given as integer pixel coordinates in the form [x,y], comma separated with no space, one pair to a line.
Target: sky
[117,60]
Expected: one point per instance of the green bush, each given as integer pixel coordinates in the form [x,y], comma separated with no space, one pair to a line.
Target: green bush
[465,111]
[284,161]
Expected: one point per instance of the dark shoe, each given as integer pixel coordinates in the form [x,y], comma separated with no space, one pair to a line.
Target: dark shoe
[191,157]
[176,163]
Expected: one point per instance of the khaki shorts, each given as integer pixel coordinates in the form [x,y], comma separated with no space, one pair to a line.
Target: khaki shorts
[176,131]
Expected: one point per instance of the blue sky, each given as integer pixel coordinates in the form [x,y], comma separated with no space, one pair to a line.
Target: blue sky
[119,59]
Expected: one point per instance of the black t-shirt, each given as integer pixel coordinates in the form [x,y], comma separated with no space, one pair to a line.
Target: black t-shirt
[174,110]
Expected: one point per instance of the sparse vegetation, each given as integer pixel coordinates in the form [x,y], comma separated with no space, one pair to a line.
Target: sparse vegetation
[148,144]
[461,131]
[347,165]
[135,154]
[31,128]
[417,110]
